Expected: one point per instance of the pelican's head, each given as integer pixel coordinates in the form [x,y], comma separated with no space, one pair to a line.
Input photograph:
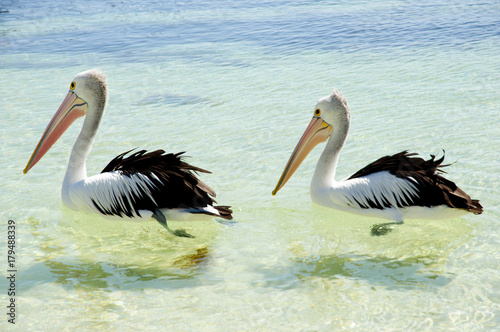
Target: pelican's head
[90,86]
[87,88]
[329,111]
[332,109]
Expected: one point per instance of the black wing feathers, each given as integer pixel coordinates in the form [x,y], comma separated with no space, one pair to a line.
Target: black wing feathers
[175,182]
[433,188]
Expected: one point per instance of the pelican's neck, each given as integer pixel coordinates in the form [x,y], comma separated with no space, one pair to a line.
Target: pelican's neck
[77,169]
[324,174]
[81,149]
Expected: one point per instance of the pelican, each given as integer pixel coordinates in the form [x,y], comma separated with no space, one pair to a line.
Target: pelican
[138,185]
[393,187]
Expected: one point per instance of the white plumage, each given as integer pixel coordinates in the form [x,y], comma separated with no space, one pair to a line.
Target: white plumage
[109,191]
[381,188]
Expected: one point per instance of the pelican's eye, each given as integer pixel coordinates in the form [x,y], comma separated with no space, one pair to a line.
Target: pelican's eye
[317,112]
[72,85]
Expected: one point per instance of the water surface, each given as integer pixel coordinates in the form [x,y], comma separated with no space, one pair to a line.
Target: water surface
[234,84]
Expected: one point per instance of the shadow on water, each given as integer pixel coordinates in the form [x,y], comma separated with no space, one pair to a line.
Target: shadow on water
[172,99]
[58,262]
[391,273]
[414,255]
[117,276]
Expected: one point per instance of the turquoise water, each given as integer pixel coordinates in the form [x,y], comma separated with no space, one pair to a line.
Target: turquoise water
[234,84]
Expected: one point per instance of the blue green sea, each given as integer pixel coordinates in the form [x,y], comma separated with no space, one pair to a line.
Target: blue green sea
[234,84]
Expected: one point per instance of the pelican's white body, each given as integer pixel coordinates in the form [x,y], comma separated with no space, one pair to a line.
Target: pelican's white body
[340,195]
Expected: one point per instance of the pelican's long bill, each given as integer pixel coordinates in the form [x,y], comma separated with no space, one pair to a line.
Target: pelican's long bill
[317,132]
[71,109]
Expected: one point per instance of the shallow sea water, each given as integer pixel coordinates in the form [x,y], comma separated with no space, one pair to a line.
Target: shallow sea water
[234,84]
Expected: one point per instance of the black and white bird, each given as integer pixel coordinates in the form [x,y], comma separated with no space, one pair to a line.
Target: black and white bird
[140,185]
[393,187]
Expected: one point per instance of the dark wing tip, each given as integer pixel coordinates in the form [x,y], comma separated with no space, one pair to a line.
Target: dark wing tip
[475,207]
[225,212]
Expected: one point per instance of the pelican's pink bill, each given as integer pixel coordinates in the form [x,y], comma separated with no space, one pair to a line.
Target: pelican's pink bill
[71,109]
[317,132]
